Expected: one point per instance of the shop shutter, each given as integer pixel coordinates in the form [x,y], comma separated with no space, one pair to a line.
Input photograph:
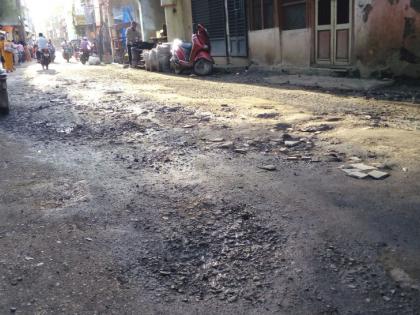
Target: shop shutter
[211,13]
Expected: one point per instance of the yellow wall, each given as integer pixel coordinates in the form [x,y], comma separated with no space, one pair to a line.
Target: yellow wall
[179,20]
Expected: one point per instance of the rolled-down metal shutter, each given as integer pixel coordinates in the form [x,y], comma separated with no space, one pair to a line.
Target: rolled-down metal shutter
[211,13]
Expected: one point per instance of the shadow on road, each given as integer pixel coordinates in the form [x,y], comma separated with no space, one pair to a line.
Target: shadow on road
[49,71]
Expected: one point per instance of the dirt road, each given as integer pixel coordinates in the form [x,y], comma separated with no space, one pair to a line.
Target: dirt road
[126,192]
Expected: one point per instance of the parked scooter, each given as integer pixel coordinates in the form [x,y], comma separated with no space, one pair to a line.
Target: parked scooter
[195,55]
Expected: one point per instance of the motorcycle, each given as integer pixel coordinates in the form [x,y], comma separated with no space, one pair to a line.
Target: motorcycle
[45,58]
[195,55]
[85,56]
[67,53]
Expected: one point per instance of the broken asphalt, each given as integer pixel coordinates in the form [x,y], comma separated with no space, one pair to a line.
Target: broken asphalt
[127,192]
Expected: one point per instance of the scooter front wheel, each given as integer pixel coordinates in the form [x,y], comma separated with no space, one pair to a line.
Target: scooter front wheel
[203,67]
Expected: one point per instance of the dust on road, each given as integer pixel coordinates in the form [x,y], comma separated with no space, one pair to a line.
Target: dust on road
[126,192]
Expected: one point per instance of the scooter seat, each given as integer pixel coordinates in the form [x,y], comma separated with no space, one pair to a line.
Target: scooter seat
[187,46]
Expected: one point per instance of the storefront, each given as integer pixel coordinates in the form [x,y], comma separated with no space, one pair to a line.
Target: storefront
[370,38]
[227,24]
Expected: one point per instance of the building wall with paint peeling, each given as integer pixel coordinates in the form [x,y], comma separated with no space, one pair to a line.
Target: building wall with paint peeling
[387,37]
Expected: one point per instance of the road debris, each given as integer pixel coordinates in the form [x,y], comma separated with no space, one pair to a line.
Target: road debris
[355,173]
[268,115]
[226,145]
[316,128]
[362,171]
[268,167]
[363,167]
[291,144]
[378,175]
[217,140]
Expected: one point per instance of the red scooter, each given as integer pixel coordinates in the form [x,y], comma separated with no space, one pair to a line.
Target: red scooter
[195,55]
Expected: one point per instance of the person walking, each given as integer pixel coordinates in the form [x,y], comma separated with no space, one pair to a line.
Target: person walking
[6,50]
[20,52]
[28,49]
[132,36]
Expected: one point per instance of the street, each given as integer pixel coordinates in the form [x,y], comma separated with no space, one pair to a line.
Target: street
[129,192]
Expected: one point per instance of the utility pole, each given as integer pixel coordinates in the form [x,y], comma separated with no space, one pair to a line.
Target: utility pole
[110,24]
[101,35]
[22,34]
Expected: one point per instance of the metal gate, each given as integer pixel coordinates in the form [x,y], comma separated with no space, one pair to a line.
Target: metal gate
[226,22]
[237,28]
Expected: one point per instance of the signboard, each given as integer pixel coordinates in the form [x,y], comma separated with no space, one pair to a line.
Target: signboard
[80,20]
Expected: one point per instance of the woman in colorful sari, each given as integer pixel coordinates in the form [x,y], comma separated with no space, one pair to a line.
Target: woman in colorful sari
[2,50]
[7,51]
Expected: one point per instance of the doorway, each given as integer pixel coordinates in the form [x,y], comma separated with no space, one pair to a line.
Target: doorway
[333,29]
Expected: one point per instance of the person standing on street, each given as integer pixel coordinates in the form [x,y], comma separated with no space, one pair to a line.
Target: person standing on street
[21,52]
[6,49]
[27,49]
[132,36]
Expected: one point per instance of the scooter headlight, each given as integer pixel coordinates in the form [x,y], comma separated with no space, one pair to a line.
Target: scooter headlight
[205,47]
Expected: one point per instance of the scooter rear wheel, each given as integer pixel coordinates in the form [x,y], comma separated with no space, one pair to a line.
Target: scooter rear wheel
[203,67]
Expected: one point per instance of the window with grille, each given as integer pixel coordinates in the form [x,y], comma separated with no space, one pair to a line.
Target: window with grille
[293,14]
[261,14]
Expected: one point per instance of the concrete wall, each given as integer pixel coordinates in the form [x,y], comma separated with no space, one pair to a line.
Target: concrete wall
[386,40]
[387,37]
[117,5]
[296,47]
[264,46]
[179,20]
[152,18]
[288,48]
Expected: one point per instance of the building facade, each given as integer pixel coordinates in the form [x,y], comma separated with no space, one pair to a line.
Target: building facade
[370,38]
[366,37]
[361,37]
[15,20]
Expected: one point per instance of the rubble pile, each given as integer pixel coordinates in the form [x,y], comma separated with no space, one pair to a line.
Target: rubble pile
[362,171]
[221,253]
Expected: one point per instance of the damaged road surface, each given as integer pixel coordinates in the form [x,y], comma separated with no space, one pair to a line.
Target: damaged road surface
[127,192]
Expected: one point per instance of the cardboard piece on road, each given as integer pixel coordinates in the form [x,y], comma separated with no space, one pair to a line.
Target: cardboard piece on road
[378,175]
[355,173]
[363,167]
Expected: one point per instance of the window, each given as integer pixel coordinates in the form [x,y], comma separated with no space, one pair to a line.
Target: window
[324,12]
[343,12]
[261,14]
[294,14]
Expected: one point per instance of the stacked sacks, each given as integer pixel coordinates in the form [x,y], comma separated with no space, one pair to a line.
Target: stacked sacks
[164,56]
[146,58]
[154,62]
